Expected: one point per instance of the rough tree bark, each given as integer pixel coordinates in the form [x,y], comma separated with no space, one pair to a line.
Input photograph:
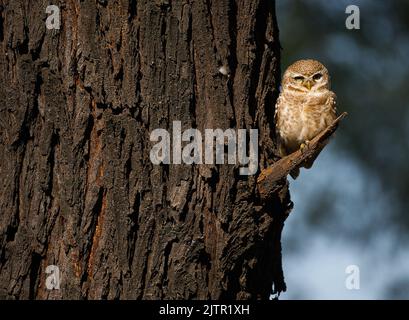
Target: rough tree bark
[77,187]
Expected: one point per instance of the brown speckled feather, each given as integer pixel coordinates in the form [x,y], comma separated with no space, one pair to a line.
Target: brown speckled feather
[305,106]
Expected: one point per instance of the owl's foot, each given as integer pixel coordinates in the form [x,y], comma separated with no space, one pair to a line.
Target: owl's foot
[304,146]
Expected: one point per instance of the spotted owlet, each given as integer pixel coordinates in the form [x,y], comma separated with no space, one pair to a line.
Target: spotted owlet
[304,108]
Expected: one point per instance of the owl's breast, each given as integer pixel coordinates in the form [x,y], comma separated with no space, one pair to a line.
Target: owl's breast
[302,117]
[316,114]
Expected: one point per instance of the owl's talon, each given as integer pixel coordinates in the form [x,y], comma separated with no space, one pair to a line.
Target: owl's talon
[304,146]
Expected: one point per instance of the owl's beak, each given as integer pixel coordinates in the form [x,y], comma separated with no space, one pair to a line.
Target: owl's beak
[308,84]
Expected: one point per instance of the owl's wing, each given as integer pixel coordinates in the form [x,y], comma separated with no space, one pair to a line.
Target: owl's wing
[276,111]
[333,103]
[280,143]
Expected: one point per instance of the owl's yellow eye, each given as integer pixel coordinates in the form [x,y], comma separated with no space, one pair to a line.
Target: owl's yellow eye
[317,76]
[299,78]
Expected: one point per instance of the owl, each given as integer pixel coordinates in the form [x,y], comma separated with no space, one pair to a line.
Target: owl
[304,108]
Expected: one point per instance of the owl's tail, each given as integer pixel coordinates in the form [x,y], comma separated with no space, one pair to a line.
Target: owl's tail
[295,173]
[310,161]
[306,164]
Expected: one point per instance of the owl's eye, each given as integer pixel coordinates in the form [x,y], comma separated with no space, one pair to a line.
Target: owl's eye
[299,78]
[317,76]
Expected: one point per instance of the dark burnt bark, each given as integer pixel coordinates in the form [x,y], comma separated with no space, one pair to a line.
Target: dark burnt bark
[77,187]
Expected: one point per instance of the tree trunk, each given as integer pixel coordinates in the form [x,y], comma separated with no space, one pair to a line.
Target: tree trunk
[78,188]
